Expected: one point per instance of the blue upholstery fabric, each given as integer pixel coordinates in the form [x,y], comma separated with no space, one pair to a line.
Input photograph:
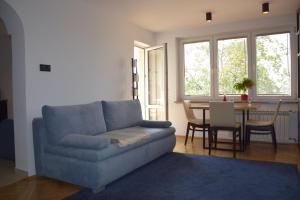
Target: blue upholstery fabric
[39,142]
[7,141]
[84,119]
[95,175]
[112,149]
[85,141]
[121,114]
[155,124]
[79,160]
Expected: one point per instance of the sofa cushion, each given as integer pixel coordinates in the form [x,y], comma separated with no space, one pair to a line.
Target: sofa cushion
[86,119]
[112,149]
[85,141]
[121,114]
[155,124]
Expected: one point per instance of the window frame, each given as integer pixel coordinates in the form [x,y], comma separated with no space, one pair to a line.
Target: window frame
[294,68]
[226,37]
[251,56]
[182,69]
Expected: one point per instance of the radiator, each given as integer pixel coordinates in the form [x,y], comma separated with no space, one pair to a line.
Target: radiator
[286,126]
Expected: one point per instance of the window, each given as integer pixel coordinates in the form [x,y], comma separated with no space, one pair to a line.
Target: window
[197,69]
[210,66]
[273,65]
[232,64]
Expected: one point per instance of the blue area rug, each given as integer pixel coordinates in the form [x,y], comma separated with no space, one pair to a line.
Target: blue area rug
[178,176]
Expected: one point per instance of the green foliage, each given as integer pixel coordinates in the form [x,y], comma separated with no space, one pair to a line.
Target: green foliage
[197,72]
[232,64]
[272,74]
[245,84]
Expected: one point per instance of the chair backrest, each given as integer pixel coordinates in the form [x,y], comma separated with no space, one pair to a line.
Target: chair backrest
[276,111]
[222,114]
[188,112]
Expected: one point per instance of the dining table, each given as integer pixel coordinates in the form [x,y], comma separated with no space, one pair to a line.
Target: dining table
[244,108]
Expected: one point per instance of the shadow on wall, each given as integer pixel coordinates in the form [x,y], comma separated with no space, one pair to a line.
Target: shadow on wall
[14,27]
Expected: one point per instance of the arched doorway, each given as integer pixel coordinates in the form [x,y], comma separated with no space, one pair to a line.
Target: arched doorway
[12,27]
[7,145]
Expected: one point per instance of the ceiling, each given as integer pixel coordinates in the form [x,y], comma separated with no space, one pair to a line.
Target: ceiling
[165,15]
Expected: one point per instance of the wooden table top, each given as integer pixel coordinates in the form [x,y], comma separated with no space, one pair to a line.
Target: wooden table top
[237,106]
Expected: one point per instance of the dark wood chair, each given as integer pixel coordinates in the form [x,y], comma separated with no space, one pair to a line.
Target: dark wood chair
[222,118]
[194,124]
[261,127]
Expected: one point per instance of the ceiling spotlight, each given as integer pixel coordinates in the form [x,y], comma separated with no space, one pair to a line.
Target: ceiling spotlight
[265,8]
[208,17]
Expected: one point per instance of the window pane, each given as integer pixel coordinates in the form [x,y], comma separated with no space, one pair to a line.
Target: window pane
[156,76]
[197,69]
[156,114]
[232,64]
[273,74]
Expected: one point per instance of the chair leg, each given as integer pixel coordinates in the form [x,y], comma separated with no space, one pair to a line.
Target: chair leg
[234,143]
[216,138]
[274,137]
[240,139]
[209,141]
[248,135]
[246,138]
[193,133]
[187,133]
[203,138]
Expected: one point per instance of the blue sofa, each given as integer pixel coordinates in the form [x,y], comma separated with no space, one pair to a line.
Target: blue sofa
[94,144]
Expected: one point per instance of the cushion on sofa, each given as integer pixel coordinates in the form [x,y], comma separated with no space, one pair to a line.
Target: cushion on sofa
[112,149]
[85,141]
[122,114]
[86,119]
[155,124]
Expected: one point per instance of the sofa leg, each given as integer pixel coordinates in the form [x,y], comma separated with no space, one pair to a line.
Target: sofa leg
[96,190]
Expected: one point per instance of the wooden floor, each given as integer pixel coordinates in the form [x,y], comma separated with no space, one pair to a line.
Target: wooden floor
[9,174]
[39,188]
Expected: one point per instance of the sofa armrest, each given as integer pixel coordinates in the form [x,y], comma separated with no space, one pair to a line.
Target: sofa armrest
[155,124]
[85,141]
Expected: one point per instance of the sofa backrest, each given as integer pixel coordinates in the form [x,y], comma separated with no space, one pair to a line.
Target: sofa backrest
[122,114]
[84,119]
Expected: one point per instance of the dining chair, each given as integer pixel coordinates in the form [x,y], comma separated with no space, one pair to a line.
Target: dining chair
[262,127]
[194,124]
[222,118]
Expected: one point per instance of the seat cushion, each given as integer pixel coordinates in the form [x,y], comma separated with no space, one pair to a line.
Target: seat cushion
[122,114]
[199,121]
[85,141]
[112,149]
[86,119]
[259,123]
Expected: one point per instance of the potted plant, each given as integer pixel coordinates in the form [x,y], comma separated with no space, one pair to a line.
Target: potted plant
[243,86]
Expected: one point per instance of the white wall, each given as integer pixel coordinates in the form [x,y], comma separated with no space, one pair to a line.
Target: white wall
[176,112]
[89,48]
[6,73]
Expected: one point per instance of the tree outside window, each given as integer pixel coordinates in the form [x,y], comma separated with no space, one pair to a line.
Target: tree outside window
[232,64]
[273,65]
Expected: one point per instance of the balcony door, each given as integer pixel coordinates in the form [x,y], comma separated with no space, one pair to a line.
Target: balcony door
[156,83]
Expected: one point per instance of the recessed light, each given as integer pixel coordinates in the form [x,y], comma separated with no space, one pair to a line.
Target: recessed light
[208,16]
[265,8]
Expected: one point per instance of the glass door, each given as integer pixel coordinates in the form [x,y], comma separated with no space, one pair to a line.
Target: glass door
[156,105]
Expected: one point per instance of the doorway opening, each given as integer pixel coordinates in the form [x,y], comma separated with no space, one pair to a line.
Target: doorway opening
[8,173]
[153,83]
